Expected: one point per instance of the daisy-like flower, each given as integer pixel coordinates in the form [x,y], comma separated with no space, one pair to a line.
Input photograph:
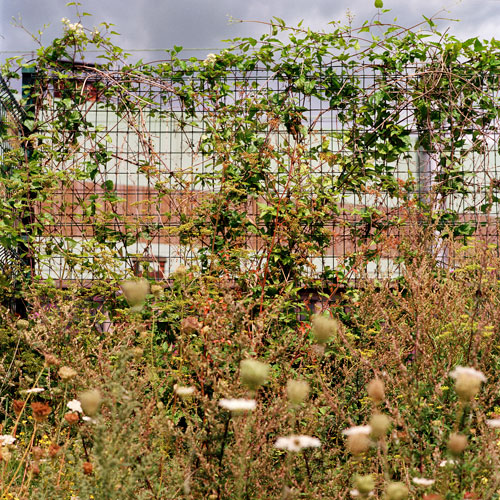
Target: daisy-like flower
[495,423]
[238,405]
[422,481]
[75,405]
[34,390]
[184,391]
[359,429]
[6,439]
[297,443]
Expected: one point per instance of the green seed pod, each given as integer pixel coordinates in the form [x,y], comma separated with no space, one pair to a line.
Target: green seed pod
[22,325]
[364,484]
[297,391]
[253,373]
[380,425]
[157,291]
[90,401]
[396,491]
[457,443]
[323,328]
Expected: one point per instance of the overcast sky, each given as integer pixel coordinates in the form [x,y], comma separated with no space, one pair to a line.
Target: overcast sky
[153,24]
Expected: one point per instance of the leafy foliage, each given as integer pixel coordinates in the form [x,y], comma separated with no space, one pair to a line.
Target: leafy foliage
[266,194]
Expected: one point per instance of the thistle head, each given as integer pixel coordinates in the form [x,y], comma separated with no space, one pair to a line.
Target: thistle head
[467,382]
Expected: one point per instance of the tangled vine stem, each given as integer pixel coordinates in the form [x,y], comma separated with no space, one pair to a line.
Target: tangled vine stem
[278,179]
[281,167]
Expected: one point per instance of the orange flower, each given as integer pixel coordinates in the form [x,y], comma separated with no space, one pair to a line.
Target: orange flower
[40,411]
[35,468]
[54,450]
[71,418]
[37,452]
[18,406]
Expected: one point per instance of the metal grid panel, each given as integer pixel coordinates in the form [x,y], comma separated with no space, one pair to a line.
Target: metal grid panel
[11,119]
[142,169]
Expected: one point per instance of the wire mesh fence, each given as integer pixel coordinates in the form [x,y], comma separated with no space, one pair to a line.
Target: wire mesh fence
[12,116]
[127,179]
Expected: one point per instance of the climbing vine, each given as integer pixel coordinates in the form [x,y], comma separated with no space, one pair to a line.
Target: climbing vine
[414,115]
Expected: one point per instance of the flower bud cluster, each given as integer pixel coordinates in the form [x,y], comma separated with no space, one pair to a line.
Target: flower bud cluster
[69,27]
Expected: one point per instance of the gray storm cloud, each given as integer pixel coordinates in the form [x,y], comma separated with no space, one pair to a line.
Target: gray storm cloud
[203,24]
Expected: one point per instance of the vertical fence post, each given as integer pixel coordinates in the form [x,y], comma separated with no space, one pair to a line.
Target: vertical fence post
[427,171]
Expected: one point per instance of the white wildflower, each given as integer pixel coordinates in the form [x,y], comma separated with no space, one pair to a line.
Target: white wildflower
[297,443]
[467,382]
[422,481]
[75,405]
[467,371]
[209,60]
[34,390]
[355,493]
[6,439]
[183,391]
[75,28]
[444,463]
[359,429]
[237,405]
